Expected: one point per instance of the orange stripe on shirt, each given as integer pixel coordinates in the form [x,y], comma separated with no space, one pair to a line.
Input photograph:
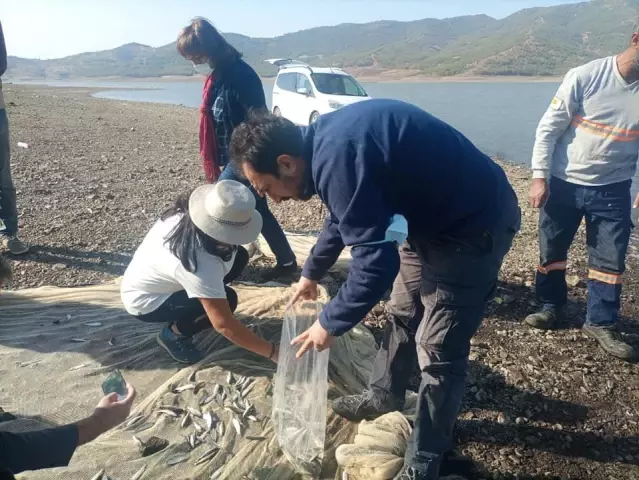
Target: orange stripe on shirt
[606,131]
[610,278]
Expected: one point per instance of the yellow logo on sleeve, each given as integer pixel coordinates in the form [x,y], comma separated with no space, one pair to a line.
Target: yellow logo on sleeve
[556,103]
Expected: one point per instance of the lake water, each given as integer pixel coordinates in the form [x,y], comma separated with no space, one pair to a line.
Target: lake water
[499,117]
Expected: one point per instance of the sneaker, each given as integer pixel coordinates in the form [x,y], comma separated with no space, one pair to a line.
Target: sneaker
[14,245]
[180,347]
[365,406]
[280,272]
[610,341]
[544,320]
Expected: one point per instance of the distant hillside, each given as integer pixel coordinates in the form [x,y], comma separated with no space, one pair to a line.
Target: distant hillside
[536,41]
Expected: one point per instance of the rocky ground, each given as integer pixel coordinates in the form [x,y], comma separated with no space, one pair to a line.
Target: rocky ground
[97,173]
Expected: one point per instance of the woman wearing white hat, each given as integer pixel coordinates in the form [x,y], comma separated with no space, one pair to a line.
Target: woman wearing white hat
[179,273]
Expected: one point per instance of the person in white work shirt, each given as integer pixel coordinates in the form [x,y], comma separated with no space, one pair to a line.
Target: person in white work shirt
[584,159]
[179,273]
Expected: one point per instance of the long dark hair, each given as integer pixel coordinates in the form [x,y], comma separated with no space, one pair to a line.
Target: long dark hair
[201,39]
[186,238]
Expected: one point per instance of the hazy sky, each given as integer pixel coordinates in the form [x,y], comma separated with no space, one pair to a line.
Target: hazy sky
[56,28]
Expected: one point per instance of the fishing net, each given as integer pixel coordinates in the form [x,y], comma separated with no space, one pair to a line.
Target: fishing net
[57,346]
[377,452]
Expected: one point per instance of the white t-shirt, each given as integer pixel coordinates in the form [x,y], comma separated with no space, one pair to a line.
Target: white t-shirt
[155,273]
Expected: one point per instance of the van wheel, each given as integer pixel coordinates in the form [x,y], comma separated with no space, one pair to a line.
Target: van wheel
[277,112]
[314,117]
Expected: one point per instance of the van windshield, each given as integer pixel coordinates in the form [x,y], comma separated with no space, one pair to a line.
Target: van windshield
[336,84]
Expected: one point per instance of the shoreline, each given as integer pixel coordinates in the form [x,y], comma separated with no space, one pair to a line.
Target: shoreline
[382,77]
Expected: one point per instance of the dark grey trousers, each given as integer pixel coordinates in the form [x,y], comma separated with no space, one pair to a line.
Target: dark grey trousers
[436,306]
[8,210]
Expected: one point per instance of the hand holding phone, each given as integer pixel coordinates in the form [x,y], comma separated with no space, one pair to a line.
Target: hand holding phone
[115,383]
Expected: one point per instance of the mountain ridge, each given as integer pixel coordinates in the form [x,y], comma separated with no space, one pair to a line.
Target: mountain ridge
[538,41]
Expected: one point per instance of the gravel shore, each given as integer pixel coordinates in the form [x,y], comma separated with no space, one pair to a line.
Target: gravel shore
[97,173]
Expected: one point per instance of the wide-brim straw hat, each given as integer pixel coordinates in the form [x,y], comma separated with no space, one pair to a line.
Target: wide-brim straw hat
[225,211]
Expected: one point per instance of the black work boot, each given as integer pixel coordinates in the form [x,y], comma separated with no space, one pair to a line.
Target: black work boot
[546,319]
[455,464]
[282,273]
[610,341]
[366,406]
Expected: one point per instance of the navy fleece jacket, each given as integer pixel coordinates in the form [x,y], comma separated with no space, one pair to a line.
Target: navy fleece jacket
[373,159]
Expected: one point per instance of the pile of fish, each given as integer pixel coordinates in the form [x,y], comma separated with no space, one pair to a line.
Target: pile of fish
[293,429]
[202,426]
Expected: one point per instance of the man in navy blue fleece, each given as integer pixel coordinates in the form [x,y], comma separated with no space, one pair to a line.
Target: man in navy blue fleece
[370,162]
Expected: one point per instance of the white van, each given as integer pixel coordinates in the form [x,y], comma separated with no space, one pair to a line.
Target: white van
[302,93]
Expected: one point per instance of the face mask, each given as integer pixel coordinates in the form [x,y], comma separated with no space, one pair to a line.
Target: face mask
[202,69]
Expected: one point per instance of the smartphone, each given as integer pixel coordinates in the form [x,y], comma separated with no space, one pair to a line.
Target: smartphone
[115,383]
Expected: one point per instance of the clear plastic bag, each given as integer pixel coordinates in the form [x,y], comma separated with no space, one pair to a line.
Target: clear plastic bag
[300,394]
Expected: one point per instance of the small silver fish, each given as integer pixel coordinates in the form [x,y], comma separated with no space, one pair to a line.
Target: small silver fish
[112,343]
[98,476]
[132,421]
[195,412]
[175,459]
[229,378]
[217,389]
[198,428]
[192,440]
[92,324]
[78,367]
[138,441]
[143,427]
[192,376]
[247,410]
[173,408]
[217,474]
[185,420]
[78,340]
[166,411]
[246,390]
[257,438]
[252,418]
[138,475]
[198,386]
[220,429]
[237,425]
[206,456]
[184,388]
[29,363]
[206,399]
[208,418]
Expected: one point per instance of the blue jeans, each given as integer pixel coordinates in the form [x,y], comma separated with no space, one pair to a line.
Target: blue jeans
[436,306]
[271,229]
[8,211]
[607,210]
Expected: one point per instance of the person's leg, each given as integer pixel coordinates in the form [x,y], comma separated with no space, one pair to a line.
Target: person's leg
[271,230]
[184,317]
[8,209]
[459,279]
[559,220]
[239,264]
[608,227]
[397,355]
